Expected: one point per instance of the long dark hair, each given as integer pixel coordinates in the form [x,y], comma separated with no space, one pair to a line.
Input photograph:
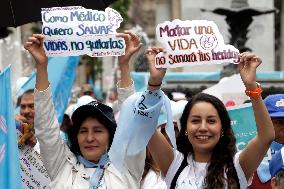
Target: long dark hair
[224,151]
[150,164]
[74,129]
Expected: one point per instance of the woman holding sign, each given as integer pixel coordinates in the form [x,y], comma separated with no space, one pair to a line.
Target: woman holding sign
[206,154]
[85,162]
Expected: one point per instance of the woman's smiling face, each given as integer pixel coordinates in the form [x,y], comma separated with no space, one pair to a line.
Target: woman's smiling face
[203,127]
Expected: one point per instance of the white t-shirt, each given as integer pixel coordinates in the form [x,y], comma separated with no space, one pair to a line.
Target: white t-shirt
[153,181]
[102,184]
[193,176]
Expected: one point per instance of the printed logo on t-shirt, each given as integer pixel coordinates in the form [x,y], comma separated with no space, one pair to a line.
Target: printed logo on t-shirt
[190,183]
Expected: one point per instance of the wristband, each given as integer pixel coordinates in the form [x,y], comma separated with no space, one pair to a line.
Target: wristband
[254,93]
[152,85]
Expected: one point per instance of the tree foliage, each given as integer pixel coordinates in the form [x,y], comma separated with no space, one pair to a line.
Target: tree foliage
[122,7]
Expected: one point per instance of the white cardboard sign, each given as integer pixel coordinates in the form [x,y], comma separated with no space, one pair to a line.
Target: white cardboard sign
[192,42]
[33,172]
[72,31]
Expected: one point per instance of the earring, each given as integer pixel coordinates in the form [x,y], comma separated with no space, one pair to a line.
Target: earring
[222,133]
[186,133]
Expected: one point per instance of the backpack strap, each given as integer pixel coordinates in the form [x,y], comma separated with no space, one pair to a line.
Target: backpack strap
[180,169]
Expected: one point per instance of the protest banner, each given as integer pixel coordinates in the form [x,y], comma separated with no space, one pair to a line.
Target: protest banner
[191,43]
[33,172]
[244,127]
[243,124]
[9,156]
[73,31]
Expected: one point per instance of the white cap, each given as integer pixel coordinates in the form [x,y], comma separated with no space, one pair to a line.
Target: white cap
[178,96]
[20,82]
[83,100]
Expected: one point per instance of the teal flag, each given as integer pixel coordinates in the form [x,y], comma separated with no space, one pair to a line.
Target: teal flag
[61,74]
[243,124]
[10,176]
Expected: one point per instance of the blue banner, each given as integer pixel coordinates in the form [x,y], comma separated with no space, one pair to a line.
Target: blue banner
[10,176]
[243,124]
[61,74]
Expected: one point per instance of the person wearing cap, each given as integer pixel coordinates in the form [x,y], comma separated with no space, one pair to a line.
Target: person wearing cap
[85,163]
[66,122]
[275,106]
[276,168]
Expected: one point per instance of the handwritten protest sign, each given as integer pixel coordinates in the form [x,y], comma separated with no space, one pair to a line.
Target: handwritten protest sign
[191,43]
[72,31]
[33,172]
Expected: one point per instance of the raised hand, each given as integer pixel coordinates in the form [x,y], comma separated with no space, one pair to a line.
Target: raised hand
[132,43]
[35,46]
[247,66]
[156,74]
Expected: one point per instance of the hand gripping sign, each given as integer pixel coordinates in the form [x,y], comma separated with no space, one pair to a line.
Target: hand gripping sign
[72,31]
[192,43]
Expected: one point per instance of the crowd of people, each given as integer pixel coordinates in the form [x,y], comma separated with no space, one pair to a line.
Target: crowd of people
[79,152]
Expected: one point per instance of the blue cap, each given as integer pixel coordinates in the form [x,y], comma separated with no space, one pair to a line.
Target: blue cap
[275,105]
[277,162]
